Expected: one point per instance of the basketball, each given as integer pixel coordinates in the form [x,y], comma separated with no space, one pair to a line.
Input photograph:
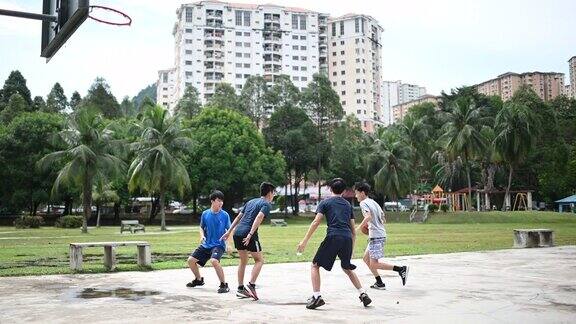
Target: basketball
[364,229]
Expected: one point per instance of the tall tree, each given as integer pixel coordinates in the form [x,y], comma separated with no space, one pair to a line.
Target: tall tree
[16,106]
[16,84]
[348,151]
[389,164]
[38,104]
[103,193]
[75,101]
[100,96]
[56,101]
[291,132]
[225,97]
[24,142]
[253,99]
[462,137]
[230,154]
[87,156]
[516,126]
[323,105]
[158,165]
[189,105]
[283,93]
[127,107]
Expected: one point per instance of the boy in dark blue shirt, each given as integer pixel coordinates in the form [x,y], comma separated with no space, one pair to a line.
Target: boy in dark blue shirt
[339,241]
[213,224]
[246,238]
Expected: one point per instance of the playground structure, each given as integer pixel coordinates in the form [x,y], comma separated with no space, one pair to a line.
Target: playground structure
[460,200]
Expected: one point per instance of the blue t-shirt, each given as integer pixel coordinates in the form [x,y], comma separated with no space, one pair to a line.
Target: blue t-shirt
[214,226]
[338,213]
[249,212]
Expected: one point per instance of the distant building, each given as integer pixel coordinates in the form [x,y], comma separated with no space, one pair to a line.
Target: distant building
[400,110]
[572,67]
[395,93]
[547,85]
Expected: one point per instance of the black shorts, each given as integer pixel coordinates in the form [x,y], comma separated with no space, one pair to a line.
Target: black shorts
[331,247]
[203,254]
[253,246]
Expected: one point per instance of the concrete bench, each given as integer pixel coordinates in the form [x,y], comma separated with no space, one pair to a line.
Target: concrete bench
[76,255]
[528,238]
[278,222]
[132,226]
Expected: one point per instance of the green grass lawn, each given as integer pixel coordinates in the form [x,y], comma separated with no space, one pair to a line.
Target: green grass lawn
[45,250]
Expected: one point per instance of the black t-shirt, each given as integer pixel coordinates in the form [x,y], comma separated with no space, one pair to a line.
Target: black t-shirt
[338,213]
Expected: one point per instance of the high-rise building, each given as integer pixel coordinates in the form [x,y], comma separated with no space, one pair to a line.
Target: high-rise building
[395,93]
[228,42]
[572,65]
[547,85]
[355,66]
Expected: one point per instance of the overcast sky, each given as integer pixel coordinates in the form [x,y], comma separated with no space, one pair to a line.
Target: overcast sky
[439,44]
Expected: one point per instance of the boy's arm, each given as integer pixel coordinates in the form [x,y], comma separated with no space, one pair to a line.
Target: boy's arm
[313,227]
[257,221]
[234,224]
[202,234]
[353,229]
[367,217]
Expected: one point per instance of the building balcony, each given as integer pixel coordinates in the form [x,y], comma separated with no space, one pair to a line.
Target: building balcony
[273,39]
[271,26]
[214,14]
[271,18]
[214,23]
[273,49]
[214,68]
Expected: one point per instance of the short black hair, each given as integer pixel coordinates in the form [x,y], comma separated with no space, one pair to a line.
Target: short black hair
[362,186]
[216,194]
[337,185]
[266,188]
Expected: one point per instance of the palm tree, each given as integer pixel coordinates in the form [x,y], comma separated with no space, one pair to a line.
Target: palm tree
[389,164]
[416,132]
[157,167]
[516,126]
[87,156]
[461,136]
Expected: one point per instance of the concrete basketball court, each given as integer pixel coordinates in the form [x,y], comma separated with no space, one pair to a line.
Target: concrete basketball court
[511,286]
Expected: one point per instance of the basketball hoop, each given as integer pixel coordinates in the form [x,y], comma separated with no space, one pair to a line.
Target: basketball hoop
[127,22]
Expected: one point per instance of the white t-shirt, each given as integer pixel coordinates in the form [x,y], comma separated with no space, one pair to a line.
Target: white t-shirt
[376,225]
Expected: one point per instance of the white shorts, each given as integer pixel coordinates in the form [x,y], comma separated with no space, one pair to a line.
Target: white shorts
[375,248]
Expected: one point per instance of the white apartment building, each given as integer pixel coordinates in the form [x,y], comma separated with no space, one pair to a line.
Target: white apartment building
[228,42]
[165,87]
[355,65]
[397,93]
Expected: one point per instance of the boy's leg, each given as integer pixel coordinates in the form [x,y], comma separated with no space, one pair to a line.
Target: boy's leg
[258,263]
[353,278]
[243,254]
[368,262]
[315,276]
[344,246]
[193,265]
[218,269]
[376,252]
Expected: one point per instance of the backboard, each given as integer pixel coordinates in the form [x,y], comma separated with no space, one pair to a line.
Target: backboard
[70,13]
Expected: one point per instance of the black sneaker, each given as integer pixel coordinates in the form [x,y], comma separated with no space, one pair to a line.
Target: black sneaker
[252,288]
[379,286]
[223,288]
[365,299]
[314,303]
[243,293]
[404,274]
[195,283]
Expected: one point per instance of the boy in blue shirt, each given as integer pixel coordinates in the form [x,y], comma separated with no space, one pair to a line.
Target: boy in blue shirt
[339,242]
[246,239]
[214,222]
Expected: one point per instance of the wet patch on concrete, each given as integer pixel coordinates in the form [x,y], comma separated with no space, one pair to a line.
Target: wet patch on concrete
[123,293]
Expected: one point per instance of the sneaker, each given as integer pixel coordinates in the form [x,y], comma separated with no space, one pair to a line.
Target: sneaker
[404,274]
[314,303]
[223,288]
[195,283]
[365,299]
[379,286]
[252,289]
[243,293]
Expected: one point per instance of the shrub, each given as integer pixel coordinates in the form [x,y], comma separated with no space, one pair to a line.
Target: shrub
[29,222]
[432,208]
[444,208]
[69,221]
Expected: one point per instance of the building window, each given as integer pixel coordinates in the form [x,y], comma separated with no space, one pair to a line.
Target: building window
[303,68]
[242,18]
[295,47]
[303,58]
[342,62]
[295,78]
[341,28]
[303,79]
[342,72]
[343,82]
[302,22]
[334,73]
[246,44]
[238,76]
[343,93]
[188,74]
[246,18]
[188,41]
[333,53]
[188,14]
[344,103]
[334,30]
[238,33]
[238,65]
[238,54]
[247,55]
[188,51]
[246,33]
[238,44]
[188,62]
[303,48]
[357,24]
[164,77]
[247,65]
[238,18]
[188,30]
[302,37]
[341,52]
[295,37]
[295,68]
[341,42]
[295,58]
